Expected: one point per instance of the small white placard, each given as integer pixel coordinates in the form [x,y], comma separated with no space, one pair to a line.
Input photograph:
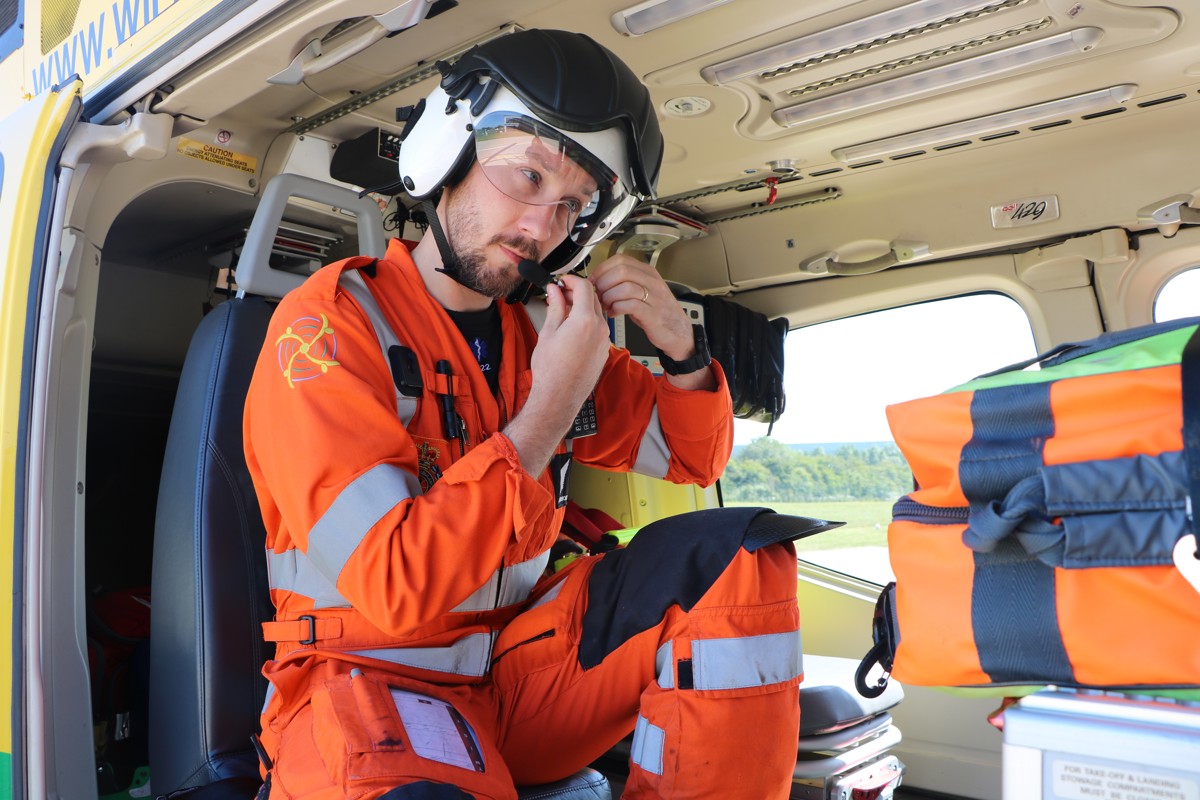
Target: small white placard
[1026,211]
[437,731]
[1082,781]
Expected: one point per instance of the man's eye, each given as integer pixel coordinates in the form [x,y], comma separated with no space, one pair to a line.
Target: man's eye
[533,176]
[574,206]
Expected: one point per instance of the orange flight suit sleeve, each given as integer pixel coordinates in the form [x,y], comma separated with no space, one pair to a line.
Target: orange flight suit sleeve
[696,426]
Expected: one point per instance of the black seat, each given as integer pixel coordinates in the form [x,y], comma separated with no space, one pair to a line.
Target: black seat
[209,581]
[209,584]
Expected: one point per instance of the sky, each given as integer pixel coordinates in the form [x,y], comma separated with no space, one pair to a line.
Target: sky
[839,375]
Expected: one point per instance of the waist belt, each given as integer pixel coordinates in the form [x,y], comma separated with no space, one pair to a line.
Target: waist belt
[305,630]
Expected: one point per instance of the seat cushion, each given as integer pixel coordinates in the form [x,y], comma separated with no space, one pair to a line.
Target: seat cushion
[829,701]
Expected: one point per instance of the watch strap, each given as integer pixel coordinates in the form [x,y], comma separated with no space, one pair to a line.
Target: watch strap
[697,361]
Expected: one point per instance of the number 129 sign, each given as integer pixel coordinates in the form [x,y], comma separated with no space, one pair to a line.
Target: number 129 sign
[1026,211]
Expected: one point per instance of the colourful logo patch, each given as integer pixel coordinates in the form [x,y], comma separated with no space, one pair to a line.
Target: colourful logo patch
[427,469]
[306,350]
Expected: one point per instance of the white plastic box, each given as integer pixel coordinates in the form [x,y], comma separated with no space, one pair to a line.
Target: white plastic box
[1093,745]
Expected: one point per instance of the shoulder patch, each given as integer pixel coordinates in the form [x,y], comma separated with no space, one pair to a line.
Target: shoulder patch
[306,350]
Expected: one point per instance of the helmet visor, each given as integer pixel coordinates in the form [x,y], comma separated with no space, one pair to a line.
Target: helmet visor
[534,163]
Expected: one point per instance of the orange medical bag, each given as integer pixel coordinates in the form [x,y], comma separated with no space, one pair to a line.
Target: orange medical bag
[1040,543]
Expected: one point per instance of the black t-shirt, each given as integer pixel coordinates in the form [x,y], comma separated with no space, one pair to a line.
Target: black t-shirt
[481,329]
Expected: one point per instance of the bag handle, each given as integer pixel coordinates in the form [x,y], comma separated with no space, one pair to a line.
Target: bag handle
[1068,351]
[1189,368]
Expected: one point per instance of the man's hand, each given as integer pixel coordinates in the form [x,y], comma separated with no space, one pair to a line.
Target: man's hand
[627,285]
[570,354]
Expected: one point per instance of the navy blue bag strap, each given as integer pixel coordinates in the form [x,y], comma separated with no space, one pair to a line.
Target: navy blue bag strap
[1189,367]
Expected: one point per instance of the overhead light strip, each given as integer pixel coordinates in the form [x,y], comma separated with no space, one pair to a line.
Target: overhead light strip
[655,14]
[909,20]
[411,77]
[1101,99]
[922,58]
[937,79]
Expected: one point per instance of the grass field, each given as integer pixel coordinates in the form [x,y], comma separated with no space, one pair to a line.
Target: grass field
[866,522]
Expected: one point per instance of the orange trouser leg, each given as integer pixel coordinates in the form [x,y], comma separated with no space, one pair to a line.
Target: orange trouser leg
[712,692]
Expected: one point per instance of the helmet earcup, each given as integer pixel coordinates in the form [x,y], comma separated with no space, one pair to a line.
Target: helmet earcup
[439,144]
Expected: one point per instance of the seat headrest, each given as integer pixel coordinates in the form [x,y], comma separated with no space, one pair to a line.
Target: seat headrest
[254,273]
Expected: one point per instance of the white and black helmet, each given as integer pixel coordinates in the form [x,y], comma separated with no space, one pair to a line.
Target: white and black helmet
[555,85]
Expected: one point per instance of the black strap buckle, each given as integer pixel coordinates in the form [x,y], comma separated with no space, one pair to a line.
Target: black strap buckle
[312,628]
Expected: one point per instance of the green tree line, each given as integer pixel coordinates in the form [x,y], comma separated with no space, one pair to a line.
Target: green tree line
[767,470]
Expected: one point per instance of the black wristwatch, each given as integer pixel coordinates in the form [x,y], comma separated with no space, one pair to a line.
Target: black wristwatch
[698,360]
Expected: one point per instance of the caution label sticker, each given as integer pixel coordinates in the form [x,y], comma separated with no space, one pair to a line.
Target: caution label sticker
[1079,780]
[217,155]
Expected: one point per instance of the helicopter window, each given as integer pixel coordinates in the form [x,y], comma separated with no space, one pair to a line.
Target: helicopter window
[831,454]
[1179,297]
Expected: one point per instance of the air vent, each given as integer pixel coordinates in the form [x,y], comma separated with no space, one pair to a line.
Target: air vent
[1045,125]
[411,77]
[1106,113]
[1160,101]
[905,155]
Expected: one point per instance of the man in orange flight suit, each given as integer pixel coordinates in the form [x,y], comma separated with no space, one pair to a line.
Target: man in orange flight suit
[405,433]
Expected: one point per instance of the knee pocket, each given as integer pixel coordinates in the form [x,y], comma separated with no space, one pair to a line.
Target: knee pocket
[370,734]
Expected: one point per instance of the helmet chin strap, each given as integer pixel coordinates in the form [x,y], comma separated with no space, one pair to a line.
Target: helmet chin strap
[534,275]
[450,264]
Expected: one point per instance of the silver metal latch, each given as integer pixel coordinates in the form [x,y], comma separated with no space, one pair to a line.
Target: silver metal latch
[1168,215]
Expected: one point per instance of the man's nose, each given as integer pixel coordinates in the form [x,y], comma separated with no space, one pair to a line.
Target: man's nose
[540,222]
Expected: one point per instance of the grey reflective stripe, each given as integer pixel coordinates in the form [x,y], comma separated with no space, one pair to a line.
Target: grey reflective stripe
[664,665]
[654,457]
[292,571]
[518,580]
[507,586]
[270,694]
[746,661]
[350,518]
[470,655]
[548,596]
[649,740]
[352,281]
[482,599]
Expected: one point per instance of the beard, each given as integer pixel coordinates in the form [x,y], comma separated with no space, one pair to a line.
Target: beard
[464,225]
